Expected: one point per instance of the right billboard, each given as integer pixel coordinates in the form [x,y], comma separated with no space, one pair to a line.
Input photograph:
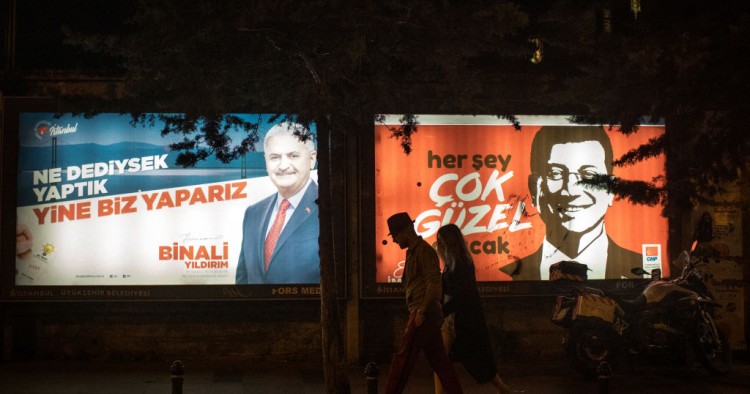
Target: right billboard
[517,196]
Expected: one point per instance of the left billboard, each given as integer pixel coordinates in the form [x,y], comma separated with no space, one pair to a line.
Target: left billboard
[102,203]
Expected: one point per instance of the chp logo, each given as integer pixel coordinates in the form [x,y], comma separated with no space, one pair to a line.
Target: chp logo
[651,257]
[42,129]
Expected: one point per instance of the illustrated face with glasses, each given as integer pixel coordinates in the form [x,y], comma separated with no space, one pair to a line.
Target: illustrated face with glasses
[560,199]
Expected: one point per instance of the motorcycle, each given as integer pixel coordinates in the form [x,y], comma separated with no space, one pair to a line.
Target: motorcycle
[668,318]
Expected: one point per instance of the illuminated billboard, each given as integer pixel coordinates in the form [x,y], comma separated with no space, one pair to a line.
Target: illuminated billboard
[516,197]
[102,208]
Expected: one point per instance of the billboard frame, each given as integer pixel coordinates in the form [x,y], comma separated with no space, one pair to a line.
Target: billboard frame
[370,289]
[9,292]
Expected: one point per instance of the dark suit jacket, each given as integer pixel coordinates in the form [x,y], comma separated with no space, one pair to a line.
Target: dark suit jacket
[619,263]
[295,259]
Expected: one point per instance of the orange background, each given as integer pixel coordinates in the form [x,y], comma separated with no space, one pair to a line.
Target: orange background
[402,183]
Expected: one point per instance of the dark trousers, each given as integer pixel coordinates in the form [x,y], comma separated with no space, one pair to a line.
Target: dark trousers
[426,338]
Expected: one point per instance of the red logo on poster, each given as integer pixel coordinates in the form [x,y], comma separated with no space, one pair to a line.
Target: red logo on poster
[41,129]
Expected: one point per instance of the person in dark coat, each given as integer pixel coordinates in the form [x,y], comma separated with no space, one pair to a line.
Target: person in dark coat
[464,329]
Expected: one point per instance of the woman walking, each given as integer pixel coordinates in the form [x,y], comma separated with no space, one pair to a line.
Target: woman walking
[464,329]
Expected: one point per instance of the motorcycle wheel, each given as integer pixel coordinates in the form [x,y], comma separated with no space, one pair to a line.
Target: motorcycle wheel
[715,355]
[588,348]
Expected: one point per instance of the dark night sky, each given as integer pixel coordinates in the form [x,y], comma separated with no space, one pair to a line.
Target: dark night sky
[39,35]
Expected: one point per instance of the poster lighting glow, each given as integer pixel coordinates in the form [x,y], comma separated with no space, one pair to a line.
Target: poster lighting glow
[103,203]
[475,171]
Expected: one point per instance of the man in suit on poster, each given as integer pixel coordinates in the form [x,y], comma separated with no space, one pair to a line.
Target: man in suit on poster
[280,232]
[573,213]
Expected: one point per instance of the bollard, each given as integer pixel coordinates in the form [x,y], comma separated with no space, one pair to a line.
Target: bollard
[371,371]
[177,369]
[604,373]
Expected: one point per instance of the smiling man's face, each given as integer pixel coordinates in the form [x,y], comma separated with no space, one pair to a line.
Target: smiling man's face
[562,201]
[288,163]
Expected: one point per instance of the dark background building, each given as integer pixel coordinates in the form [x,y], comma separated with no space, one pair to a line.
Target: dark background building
[38,63]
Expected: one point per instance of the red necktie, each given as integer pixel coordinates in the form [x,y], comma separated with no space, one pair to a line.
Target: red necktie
[273,234]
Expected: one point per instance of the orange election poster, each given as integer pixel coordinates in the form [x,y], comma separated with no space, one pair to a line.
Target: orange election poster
[475,171]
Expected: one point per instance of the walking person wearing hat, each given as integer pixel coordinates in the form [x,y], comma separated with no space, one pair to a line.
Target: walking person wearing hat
[423,288]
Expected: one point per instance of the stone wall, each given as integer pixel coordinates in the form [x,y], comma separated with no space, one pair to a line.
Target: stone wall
[244,331]
[520,328]
[225,331]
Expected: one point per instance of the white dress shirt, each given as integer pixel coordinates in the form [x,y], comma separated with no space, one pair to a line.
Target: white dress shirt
[293,203]
[594,255]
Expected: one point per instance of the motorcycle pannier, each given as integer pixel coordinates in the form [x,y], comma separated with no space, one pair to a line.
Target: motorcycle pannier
[595,308]
[568,270]
[562,314]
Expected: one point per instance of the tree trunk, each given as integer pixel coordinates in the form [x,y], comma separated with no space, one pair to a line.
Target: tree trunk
[334,363]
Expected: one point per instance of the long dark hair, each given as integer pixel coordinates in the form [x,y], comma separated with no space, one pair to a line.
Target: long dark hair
[452,249]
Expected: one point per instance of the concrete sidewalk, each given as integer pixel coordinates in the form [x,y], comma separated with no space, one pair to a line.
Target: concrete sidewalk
[112,377]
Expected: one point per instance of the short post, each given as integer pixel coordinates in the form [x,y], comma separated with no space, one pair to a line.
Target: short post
[604,374]
[371,371]
[177,369]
